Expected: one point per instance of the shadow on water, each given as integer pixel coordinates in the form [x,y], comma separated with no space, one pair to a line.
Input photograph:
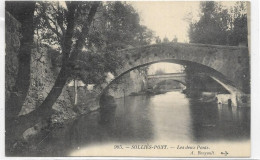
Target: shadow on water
[166,117]
[216,122]
[127,118]
[123,120]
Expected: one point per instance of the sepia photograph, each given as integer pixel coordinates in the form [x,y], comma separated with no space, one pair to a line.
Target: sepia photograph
[128,79]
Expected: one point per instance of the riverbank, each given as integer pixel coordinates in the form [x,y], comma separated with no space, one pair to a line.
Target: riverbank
[153,92]
[169,117]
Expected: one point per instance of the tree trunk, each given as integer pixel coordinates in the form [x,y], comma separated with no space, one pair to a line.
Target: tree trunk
[24,13]
[75,92]
[44,111]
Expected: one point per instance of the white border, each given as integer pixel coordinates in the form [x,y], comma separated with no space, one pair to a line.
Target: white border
[255,80]
[255,89]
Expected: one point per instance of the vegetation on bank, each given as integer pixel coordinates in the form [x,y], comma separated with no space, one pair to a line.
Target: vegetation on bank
[84,36]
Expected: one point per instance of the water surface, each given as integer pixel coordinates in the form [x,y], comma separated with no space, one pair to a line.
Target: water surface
[167,118]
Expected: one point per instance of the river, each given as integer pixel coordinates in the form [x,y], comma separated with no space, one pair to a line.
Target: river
[166,117]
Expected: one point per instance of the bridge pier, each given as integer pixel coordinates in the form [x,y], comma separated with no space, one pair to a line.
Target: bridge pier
[225,98]
[237,97]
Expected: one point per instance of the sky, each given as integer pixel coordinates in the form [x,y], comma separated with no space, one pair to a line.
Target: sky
[166,67]
[169,19]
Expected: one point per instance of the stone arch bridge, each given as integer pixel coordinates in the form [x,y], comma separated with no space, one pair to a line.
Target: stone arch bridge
[152,80]
[228,65]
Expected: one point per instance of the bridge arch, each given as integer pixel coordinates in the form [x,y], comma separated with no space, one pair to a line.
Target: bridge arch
[201,68]
[154,80]
[165,80]
[228,65]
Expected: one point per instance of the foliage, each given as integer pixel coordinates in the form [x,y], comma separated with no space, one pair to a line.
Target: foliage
[165,40]
[116,26]
[212,26]
[82,37]
[218,25]
[239,29]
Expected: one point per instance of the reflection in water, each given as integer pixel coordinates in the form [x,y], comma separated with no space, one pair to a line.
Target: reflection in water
[128,122]
[167,117]
[133,121]
[172,121]
[213,122]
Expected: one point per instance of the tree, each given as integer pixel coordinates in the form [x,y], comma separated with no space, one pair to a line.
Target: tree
[86,34]
[239,31]
[69,51]
[122,27]
[117,27]
[220,26]
[24,13]
[212,28]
